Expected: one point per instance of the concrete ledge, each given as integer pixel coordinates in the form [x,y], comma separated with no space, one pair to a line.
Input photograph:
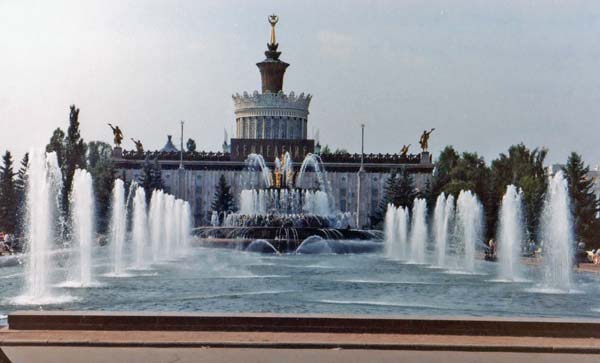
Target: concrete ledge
[128,321]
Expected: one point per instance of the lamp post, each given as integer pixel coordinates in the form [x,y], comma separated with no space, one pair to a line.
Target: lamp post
[181,148]
[362,147]
[359,180]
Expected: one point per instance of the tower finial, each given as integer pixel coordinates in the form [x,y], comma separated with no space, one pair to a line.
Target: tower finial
[273,19]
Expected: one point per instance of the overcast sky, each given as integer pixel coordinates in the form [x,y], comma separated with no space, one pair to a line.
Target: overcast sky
[485,74]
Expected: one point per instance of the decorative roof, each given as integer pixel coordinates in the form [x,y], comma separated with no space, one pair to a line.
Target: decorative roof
[169,146]
[271,100]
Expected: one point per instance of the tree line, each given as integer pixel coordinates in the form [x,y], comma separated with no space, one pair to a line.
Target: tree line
[72,153]
[520,166]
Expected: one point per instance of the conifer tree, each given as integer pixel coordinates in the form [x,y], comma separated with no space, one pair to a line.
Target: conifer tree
[21,189]
[101,167]
[223,199]
[74,158]
[147,178]
[157,182]
[583,199]
[8,195]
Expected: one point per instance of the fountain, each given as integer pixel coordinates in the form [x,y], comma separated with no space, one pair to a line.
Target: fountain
[82,219]
[511,233]
[285,211]
[43,182]
[139,229]
[389,230]
[557,234]
[256,162]
[118,228]
[469,224]
[418,233]
[169,213]
[156,219]
[443,216]
[396,232]
[186,227]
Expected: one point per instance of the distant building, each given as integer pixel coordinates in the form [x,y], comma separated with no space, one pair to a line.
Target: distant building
[271,123]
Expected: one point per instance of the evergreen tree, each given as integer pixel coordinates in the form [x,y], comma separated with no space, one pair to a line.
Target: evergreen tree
[400,191]
[21,189]
[223,199]
[101,168]
[405,192]
[584,202]
[8,195]
[74,158]
[157,182]
[523,168]
[147,178]
[57,145]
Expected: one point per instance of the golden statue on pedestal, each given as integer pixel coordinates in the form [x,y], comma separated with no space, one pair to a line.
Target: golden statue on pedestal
[117,133]
[424,141]
[404,151]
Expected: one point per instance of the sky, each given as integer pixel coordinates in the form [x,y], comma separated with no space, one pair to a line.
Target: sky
[485,74]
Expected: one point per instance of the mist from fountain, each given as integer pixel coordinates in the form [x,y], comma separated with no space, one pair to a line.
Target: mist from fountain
[557,234]
[418,232]
[43,181]
[82,221]
[140,229]
[470,226]
[118,228]
[443,216]
[511,234]
[314,161]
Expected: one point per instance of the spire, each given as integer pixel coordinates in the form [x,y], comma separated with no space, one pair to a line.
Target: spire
[273,19]
[272,69]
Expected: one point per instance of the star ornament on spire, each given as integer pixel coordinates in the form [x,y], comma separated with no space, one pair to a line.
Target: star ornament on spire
[273,19]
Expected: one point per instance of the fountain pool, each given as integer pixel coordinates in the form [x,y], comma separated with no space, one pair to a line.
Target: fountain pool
[221,280]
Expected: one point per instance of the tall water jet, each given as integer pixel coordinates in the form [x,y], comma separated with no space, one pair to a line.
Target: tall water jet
[470,226]
[557,234]
[82,217]
[314,161]
[157,223]
[118,225]
[443,215]
[511,233]
[389,229]
[169,214]
[402,223]
[140,228]
[255,162]
[418,235]
[41,211]
[186,227]
[178,239]
[396,232]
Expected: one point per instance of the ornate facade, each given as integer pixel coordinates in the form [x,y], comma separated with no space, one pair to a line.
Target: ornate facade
[271,123]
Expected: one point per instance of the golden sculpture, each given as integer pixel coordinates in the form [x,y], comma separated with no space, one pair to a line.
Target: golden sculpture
[138,146]
[117,133]
[273,19]
[404,150]
[424,141]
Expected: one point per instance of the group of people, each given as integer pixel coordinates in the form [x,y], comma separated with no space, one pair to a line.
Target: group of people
[7,244]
